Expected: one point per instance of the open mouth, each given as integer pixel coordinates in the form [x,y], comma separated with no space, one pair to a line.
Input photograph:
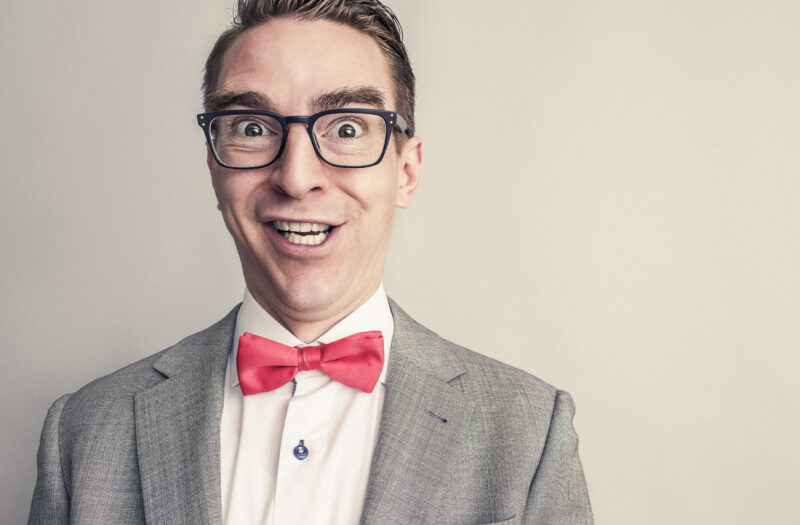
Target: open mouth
[308,233]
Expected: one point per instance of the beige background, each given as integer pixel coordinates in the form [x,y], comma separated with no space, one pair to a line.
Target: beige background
[610,201]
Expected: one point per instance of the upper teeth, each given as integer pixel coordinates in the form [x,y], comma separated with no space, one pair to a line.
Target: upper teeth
[311,233]
[301,227]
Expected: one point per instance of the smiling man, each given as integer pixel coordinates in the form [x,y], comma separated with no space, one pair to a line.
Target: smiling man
[317,399]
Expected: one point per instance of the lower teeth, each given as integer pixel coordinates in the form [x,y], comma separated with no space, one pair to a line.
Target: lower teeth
[313,240]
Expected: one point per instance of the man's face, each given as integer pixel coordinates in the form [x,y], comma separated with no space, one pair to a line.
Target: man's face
[295,67]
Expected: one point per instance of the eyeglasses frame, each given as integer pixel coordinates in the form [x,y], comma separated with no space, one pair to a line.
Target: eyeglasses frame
[393,120]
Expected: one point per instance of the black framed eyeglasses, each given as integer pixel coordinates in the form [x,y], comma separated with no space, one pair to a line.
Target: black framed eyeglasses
[345,138]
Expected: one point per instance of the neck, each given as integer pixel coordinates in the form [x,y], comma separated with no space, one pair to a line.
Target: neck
[309,325]
[309,332]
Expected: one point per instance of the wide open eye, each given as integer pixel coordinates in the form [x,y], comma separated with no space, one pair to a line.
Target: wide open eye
[249,128]
[350,138]
[348,128]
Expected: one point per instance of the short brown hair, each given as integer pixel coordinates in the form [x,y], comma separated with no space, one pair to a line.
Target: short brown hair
[368,16]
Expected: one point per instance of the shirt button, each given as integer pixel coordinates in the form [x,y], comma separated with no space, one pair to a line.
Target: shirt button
[300,451]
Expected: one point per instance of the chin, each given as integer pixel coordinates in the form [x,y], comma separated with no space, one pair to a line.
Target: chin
[310,293]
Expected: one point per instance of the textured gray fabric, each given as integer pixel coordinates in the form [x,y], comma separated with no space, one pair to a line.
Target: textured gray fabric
[467,439]
[142,444]
[463,439]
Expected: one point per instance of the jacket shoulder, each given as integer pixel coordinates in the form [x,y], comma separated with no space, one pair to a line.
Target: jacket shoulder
[517,437]
[500,389]
[109,399]
[477,375]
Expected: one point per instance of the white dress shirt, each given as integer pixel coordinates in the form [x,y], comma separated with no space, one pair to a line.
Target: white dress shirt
[262,480]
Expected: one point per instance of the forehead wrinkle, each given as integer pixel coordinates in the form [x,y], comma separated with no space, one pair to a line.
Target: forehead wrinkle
[347,96]
[224,98]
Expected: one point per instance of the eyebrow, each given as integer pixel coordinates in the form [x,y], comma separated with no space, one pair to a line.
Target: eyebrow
[340,98]
[222,98]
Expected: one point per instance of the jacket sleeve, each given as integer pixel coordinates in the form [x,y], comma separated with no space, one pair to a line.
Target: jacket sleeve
[50,499]
[558,493]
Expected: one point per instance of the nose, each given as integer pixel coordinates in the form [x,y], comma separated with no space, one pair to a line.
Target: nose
[299,171]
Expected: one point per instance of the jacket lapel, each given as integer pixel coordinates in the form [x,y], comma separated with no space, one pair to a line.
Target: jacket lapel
[178,428]
[423,421]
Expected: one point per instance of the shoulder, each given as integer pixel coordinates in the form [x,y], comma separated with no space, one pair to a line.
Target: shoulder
[494,386]
[108,401]
[502,391]
[509,427]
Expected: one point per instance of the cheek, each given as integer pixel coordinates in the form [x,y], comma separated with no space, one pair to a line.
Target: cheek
[381,210]
[232,191]
[380,189]
[222,182]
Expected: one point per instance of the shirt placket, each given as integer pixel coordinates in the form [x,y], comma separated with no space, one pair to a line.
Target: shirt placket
[299,463]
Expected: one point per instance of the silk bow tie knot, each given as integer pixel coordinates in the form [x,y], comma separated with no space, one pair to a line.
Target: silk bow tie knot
[264,365]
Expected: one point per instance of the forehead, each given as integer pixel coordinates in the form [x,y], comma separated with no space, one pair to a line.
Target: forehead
[294,61]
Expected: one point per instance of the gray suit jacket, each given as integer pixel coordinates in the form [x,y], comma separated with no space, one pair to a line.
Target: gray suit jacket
[463,439]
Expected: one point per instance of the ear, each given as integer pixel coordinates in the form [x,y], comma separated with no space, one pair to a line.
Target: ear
[409,170]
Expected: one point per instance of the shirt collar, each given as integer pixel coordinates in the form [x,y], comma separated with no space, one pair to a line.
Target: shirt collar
[374,314]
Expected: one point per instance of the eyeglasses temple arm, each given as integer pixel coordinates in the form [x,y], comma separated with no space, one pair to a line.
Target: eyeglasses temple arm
[402,126]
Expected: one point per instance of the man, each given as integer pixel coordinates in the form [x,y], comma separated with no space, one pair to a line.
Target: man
[309,126]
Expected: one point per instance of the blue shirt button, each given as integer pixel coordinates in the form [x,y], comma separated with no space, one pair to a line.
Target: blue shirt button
[300,451]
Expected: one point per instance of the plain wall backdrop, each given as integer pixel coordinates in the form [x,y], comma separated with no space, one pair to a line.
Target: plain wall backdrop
[609,201]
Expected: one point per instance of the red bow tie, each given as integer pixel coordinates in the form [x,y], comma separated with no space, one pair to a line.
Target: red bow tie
[264,365]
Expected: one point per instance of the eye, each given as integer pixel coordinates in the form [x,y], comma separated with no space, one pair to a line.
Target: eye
[349,128]
[249,128]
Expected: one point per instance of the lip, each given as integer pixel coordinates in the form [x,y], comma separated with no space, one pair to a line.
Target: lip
[283,245]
